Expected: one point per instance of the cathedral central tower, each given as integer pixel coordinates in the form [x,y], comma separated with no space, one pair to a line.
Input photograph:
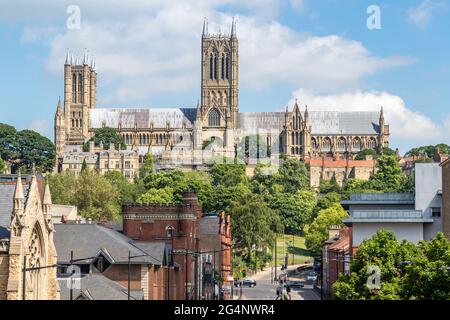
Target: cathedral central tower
[218,108]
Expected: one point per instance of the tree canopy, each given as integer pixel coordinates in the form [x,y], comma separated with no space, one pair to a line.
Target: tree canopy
[106,136]
[93,194]
[317,232]
[407,271]
[429,151]
[26,148]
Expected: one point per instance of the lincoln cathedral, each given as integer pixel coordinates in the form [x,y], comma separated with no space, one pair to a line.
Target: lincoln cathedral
[296,132]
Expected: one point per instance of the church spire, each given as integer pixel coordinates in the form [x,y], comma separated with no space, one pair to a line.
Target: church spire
[59,107]
[67,62]
[233,28]
[85,58]
[47,201]
[381,116]
[205,27]
[18,192]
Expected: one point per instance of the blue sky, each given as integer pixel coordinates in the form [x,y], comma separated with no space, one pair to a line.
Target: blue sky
[321,52]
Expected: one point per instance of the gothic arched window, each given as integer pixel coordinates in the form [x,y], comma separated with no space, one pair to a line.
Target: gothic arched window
[36,257]
[214,118]
[314,144]
[74,88]
[80,88]
[356,144]
[341,145]
[215,67]
[326,145]
[372,143]
[222,69]
[211,66]
[227,63]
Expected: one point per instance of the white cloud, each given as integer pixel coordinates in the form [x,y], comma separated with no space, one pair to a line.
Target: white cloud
[407,127]
[159,52]
[421,15]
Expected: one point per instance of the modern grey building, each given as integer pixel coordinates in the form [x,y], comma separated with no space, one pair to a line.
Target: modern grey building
[411,216]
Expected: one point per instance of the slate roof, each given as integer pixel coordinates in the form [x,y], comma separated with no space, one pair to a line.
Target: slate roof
[6,206]
[87,240]
[260,120]
[334,122]
[95,286]
[322,122]
[142,117]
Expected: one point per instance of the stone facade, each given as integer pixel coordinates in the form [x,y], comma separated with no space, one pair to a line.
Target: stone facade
[125,161]
[325,168]
[185,131]
[29,244]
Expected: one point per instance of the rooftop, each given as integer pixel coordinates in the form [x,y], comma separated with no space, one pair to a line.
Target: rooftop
[390,215]
[380,198]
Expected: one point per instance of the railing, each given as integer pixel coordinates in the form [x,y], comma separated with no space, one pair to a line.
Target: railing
[382,197]
[387,214]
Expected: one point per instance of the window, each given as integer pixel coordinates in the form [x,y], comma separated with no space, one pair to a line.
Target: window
[222,69]
[227,63]
[214,118]
[74,88]
[356,144]
[372,144]
[211,66]
[435,212]
[117,165]
[341,145]
[326,144]
[170,231]
[215,66]
[127,164]
[80,88]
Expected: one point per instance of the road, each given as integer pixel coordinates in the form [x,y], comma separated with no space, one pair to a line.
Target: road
[265,290]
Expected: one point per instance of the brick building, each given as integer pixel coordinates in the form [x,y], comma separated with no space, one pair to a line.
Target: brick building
[336,256]
[101,256]
[215,248]
[178,226]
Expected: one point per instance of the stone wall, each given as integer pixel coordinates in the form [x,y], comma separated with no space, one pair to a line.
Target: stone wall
[4,271]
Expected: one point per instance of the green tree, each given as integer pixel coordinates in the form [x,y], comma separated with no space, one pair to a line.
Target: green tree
[428,275]
[317,232]
[325,201]
[228,174]
[429,151]
[293,175]
[147,168]
[106,136]
[327,186]
[128,191]
[84,165]
[26,148]
[3,167]
[157,196]
[254,224]
[382,251]
[295,209]
[95,197]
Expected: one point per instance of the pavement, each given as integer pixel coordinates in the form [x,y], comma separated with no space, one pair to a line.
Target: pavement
[266,290]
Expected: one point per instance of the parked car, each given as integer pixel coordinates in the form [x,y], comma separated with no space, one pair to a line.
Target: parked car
[312,276]
[249,282]
[295,284]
